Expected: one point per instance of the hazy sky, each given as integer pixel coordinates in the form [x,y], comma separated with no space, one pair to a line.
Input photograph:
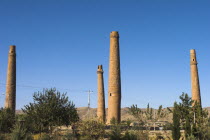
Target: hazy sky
[61,42]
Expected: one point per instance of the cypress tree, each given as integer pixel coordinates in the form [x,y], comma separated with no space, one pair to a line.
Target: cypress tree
[176,123]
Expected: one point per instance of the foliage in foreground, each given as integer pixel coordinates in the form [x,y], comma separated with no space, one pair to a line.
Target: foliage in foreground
[50,109]
[116,133]
[7,120]
[92,130]
[192,119]
[143,116]
[2,137]
[20,132]
[176,123]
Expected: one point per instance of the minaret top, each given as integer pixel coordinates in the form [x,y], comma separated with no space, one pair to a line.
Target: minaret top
[12,49]
[192,51]
[114,34]
[193,60]
[100,69]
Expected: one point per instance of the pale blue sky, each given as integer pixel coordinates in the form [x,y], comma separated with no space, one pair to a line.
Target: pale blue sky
[61,42]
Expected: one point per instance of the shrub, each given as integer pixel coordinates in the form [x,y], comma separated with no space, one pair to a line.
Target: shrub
[92,129]
[7,119]
[130,136]
[45,137]
[20,133]
[2,137]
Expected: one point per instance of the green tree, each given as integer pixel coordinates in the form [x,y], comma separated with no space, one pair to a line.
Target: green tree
[161,113]
[185,108]
[201,125]
[7,120]
[149,113]
[176,122]
[50,109]
[137,113]
[193,119]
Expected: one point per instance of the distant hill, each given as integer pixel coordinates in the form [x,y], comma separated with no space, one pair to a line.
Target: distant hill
[83,113]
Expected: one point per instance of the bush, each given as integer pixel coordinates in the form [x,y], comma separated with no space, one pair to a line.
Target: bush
[143,135]
[20,133]
[130,136]
[7,120]
[2,137]
[45,137]
[115,133]
[69,136]
[92,130]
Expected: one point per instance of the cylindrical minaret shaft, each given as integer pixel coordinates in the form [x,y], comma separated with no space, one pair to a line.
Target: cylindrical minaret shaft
[114,91]
[11,80]
[194,78]
[101,100]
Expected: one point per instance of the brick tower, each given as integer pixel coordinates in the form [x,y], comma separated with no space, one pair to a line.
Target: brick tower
[101,100]
[194,77]
[11,80]
[114,90]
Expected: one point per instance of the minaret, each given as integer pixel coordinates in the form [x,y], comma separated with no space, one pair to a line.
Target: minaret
[11,80]
[114,91]
[194,77]
[101,100]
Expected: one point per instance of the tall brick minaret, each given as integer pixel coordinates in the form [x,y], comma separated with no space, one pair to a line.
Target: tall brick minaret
[10,101]
[114,91]
[101,100]
[194,77]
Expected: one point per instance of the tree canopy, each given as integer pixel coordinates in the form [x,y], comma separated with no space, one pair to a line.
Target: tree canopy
[190,117]
[50,108]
